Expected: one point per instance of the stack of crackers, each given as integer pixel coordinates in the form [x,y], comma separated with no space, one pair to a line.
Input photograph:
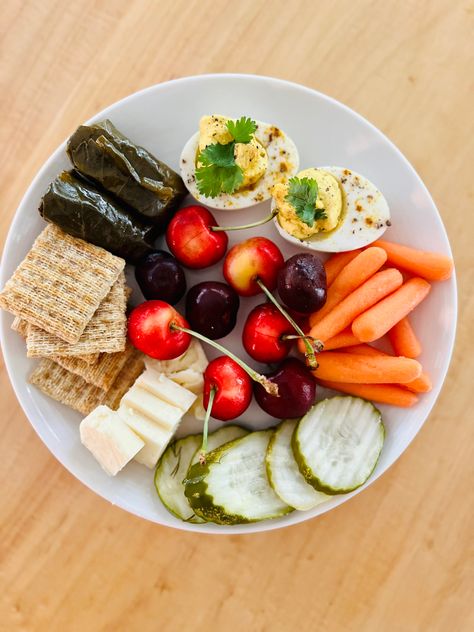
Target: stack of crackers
[69,299]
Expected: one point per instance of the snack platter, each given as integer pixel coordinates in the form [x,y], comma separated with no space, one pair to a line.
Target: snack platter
[377,299]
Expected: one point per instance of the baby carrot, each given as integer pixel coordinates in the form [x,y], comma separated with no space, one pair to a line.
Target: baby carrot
[421,384]
[376,321]
[429,265]
[335,263]
[345,339]
[382,393]
[358,301]
[363,349]
[403,339]
[361,268]
[361,369]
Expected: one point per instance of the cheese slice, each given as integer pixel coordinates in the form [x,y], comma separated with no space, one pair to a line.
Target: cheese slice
[111,440]
[190,379]
[155,437]
[153,408]
[165,389]
[193,358]
[162,413]
[187,371]
[197,409]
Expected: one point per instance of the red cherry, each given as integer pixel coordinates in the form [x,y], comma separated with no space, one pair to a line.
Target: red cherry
[252,259]
[263,333]
[232,385]
[296,389]
[191,240]
[150,330]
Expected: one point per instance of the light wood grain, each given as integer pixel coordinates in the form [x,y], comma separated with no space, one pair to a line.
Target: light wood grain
[399,557]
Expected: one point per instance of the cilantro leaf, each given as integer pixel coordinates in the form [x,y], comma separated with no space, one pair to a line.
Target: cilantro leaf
[219,155]
[242,130]
[212,179]
[302,195]
[217,171]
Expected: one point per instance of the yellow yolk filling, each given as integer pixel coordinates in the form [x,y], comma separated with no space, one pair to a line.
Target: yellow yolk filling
[250,157]
[329,198]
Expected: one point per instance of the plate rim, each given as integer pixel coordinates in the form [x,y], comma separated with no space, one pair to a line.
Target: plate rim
[28,406]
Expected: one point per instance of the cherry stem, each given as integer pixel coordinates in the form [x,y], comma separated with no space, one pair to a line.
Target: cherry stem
[310,348]
[252,225]
[205,429]
[317,344]
[270,387]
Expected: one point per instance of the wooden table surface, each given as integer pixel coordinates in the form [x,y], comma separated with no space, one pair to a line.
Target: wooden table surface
[399,557]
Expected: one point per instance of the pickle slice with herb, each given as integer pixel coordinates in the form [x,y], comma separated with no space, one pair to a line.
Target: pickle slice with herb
[232,487]
[175,462]
[169,475]
[219,437]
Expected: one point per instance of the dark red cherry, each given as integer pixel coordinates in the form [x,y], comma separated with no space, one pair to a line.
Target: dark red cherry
[296,391]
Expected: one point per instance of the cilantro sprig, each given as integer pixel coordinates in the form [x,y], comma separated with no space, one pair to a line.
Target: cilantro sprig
[218,172]
[242,130]
[302,195]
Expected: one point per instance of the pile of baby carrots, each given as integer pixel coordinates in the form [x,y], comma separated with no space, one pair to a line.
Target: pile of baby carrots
[370,294]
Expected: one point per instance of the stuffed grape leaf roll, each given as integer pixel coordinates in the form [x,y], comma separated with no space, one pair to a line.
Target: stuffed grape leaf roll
[129,172]
[80,210]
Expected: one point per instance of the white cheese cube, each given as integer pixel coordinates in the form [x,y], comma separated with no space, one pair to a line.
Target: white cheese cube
[109,439]
[165,389]
[161,412]
[154,436]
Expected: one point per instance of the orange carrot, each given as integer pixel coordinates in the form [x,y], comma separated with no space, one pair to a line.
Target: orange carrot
[335,263]
[360,369]
[383,393]
[376,321]
[369,293]
[345,339]
[349,278]
[363,349]
[430,265]
[403,339]
[421,384]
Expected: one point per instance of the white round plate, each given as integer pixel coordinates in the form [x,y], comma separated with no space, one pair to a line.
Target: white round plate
[162,118]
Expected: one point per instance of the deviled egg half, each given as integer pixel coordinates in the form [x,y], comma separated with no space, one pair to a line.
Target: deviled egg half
[330,209]
[235,163]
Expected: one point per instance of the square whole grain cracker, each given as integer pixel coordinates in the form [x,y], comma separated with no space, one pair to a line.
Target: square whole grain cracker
[132,369]
[71,390]
[106,331]
[60,283]
[87,358]
[20,326]
[103,372]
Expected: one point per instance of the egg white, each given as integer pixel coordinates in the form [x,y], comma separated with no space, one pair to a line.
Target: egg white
[283,163]
[365,216]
